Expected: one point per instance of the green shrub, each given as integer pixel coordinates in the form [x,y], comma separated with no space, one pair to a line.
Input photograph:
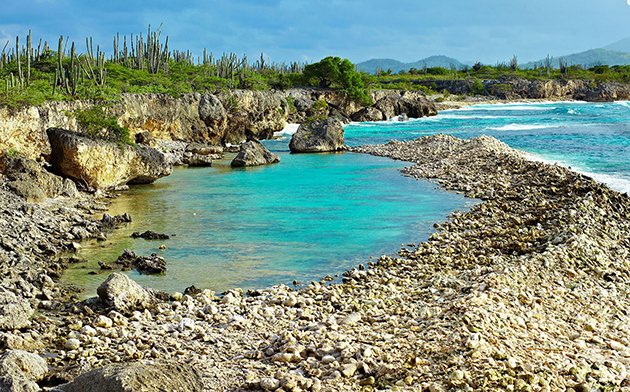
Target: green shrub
[320,107]
[478,88]
[95,123]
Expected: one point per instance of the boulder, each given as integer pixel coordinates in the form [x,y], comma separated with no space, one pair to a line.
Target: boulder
[15,312]
[30,180]
[103,165]
[165,376]
[19,371]
[196,160]
[253,153]
[318,136]
[123,294]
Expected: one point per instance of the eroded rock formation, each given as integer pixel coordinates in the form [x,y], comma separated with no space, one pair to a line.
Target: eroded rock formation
[103,165]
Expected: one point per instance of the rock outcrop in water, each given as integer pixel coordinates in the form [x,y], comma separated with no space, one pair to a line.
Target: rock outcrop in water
[254,153]
[318,136]
[103,165]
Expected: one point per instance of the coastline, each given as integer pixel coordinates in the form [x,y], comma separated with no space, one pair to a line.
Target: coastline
[464,309]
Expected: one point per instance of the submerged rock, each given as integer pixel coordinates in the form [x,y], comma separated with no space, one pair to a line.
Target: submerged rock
[318,136]
[253,153]
[150,235]
[166,376]
[103,165]
[123,294]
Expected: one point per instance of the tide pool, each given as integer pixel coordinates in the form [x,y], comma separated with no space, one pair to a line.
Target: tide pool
[309,216]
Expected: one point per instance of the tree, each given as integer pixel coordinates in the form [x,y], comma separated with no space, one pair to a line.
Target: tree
[335,72]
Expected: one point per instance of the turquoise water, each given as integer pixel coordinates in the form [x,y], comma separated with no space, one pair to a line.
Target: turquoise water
[309,216]
[593,138]
[314,215]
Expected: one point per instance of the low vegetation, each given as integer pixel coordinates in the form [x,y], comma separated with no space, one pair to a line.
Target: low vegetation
[94,122]
[32,74]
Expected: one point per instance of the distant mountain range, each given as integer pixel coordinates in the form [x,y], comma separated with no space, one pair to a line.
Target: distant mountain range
[587,59]
[371,66]
[617,53]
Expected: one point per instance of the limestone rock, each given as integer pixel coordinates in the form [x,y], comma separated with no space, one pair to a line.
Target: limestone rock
[253,153]
[318,136]
[166,376]
[19,371]
[212,112]
[390,105]
[15,312]
[102,164]
[30,180]
[123,294]
[252,114]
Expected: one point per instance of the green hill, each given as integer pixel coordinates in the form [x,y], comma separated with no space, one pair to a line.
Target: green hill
[371,66]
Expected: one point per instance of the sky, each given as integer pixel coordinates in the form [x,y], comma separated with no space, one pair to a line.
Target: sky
[308,30]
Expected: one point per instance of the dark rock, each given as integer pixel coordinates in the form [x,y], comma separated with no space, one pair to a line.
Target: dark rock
[104,165]
[123,294]
[318,136]
[126,260]
[253,153]
[143,138]
[150,235]
[109,222]
[191,290]
[153,264]
[134,377]
[104,266]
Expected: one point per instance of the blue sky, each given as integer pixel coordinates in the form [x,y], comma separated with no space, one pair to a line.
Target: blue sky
[307,30]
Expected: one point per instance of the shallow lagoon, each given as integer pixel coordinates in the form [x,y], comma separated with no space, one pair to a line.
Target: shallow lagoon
[309,216]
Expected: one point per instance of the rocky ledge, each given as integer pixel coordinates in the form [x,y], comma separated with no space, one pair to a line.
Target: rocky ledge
[102,165]
[528,290]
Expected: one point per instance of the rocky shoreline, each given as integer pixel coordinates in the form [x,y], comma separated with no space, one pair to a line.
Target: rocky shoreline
[528,290]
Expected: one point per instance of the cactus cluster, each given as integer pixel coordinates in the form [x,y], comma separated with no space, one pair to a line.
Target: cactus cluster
[149,54]
[75,72]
